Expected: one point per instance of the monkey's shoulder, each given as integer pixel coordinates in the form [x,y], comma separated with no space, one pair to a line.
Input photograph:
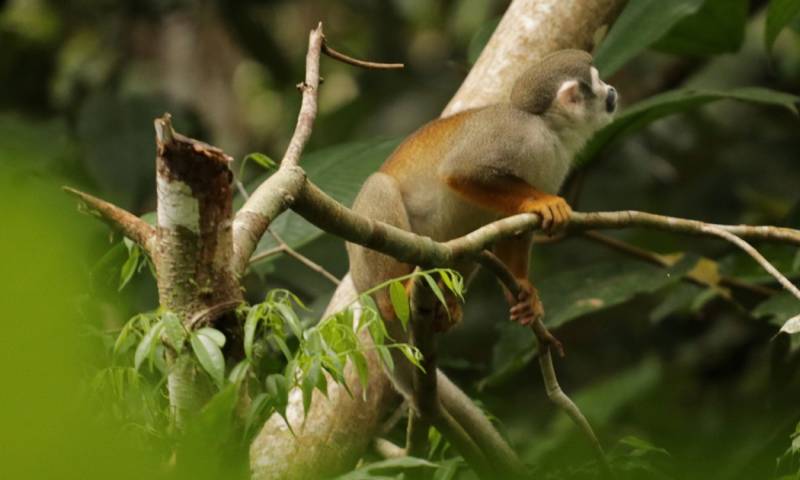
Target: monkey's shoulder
[493,130]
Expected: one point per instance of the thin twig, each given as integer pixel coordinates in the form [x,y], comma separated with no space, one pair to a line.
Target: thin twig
[303,259]
[553,389]
[266,254]
[748,249]
[327,50]
[632,218]
[129,224]
[242,190]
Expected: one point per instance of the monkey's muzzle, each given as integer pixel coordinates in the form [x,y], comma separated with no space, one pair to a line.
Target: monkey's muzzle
[611,100]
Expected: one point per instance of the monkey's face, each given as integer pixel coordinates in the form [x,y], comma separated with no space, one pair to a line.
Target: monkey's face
[587,102]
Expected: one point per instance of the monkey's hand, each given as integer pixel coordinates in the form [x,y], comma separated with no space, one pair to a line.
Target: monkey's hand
[528,311]
[552,209]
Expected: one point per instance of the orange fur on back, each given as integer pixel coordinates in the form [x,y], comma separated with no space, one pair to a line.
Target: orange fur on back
[431,139]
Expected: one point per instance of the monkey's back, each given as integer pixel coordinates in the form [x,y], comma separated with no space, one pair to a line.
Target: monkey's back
[497,138]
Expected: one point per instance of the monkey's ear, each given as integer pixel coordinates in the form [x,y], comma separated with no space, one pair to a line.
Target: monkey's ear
[569,94]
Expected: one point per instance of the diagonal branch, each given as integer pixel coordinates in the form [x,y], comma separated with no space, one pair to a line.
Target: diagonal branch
[278,192]
[129,224]
[553,389]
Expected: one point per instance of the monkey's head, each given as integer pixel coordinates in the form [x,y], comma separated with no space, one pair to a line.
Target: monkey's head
[565,88]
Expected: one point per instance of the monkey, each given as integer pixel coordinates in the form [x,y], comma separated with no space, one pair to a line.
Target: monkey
[458,173]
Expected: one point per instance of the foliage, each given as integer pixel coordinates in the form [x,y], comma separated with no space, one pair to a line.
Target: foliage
[685,359]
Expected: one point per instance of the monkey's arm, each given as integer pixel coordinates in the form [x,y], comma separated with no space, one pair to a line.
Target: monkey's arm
[508,194]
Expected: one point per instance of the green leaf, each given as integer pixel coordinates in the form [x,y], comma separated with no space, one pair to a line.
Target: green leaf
[250,327]
[239,372]
[386,356]
[436,290]
[780,13]
[124,340]
[214,335]
[642,446]
[412,354]
[148,345]
[130,266]
[262,160]
[573,293]
[640,25]
[310,381]
[278,389]
[647,111]
[399,298]
[360,362]
[291,318]
[210,357]
[718,27]
[778,309]
[174,331]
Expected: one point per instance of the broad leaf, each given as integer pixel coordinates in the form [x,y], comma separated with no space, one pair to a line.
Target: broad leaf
[215,335]
[174,331]
[778,309]
[399,297]
[291,318]
[573,293]
[250,327]
[210,357]
[640,25]
[148,344]
[718,27]
[278,391]
[311,381]
[130,266]
[676,101]
[779,14]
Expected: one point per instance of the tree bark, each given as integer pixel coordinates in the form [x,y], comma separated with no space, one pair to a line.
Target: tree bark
[194,247]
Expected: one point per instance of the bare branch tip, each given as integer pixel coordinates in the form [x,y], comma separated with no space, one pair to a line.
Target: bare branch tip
[165,134]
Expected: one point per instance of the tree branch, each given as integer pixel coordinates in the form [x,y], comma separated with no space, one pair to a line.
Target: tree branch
[277,193]
[553,389]
[632,218]
[327,50]
[529,30]
[120,219]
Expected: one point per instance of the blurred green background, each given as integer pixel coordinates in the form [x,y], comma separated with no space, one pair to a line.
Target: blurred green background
[681,380]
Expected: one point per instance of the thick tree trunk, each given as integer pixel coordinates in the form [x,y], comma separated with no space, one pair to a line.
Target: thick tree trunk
[194,247]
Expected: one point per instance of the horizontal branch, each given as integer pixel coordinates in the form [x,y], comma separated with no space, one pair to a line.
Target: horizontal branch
[120,219]
[632,218]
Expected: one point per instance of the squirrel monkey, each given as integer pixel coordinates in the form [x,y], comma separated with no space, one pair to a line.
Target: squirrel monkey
[458,173]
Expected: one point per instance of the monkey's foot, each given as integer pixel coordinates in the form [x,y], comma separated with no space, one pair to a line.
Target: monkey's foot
[553,210]
[528,311]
